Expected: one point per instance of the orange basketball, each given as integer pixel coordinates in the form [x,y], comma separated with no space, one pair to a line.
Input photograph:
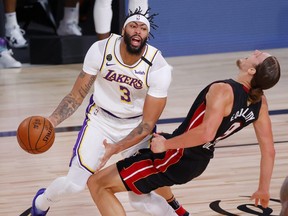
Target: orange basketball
[35,134]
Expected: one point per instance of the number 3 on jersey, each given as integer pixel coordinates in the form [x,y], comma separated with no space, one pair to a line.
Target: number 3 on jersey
[125,94]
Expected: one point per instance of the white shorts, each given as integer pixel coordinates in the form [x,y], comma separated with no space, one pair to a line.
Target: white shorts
[100,125]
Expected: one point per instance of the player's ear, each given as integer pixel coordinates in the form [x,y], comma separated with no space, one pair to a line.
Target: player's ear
[123,30]
[252,71]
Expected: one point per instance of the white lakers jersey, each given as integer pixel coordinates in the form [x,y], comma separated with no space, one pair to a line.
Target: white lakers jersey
[119,88]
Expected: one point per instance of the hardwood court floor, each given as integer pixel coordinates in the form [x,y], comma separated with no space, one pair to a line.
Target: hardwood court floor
[231,177]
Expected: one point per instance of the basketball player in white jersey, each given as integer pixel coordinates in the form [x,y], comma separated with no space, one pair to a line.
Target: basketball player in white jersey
[103,15]
[130,80]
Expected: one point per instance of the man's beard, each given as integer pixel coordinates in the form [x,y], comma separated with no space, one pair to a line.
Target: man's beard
[131,49]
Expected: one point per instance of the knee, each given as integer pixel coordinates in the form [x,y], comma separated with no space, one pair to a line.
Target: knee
[72,187]
[96,187]
[93,183]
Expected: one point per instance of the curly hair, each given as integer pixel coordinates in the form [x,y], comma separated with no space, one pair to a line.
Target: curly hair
[266,76]
[150,18]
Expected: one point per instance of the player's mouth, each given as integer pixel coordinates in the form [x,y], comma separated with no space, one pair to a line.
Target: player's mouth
[136,41]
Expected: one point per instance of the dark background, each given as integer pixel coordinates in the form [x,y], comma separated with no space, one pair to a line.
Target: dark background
[33,18]
[186,27]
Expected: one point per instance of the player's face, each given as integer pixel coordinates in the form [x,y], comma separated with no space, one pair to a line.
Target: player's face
[135,37]
[256,58]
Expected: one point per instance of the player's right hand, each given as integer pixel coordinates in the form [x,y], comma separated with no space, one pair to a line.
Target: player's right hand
[158,143]
[110,149]
[262,197]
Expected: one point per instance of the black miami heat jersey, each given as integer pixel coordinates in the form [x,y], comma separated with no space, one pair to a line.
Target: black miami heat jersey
[242,114]
[147,171]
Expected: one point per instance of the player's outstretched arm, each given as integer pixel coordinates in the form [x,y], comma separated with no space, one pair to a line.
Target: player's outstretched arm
[153,108]
[263,131]
[74,99]
[219,100]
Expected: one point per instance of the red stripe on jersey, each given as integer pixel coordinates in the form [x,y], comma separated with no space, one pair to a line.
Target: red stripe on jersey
[137,171]
[172,156]
[198,116]
[245,89]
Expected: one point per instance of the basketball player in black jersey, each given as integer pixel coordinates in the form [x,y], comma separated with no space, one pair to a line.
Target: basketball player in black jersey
[220,110]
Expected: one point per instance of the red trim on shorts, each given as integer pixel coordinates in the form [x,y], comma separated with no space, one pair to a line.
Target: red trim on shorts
[137,171]
[172,156]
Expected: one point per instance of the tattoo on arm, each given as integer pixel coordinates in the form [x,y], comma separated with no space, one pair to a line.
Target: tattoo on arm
[66,108]
[142,128]
[84,90]
[70,103]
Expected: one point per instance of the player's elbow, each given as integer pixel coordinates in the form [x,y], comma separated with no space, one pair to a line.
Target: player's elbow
[146,128]
[268,154]
[272,153]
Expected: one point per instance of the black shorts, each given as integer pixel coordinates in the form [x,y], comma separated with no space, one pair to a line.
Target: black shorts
[145,171]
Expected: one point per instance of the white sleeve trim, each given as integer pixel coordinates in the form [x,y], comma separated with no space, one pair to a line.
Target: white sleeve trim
[159,81]
[93,59]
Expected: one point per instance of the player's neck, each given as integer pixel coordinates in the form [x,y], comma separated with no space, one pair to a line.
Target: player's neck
[246,84]
[244,80]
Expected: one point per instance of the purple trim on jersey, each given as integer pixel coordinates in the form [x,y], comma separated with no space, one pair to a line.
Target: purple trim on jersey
[81,132]
[104,56]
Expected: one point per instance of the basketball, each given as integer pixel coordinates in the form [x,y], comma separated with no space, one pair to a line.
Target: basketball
[35,134]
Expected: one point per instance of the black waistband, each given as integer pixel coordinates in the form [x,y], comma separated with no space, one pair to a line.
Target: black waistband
[117,116]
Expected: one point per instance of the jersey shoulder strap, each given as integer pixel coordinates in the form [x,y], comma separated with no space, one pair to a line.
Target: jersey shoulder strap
[109,49]
[150,54]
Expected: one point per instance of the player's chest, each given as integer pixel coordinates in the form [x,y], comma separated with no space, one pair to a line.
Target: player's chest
[130,76]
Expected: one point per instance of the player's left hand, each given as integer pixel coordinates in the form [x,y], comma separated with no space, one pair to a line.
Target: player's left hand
[110,149]
[157,143]
[261,196]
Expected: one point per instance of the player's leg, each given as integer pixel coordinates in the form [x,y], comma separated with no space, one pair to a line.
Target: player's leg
[166,192]
[102,18]
[151,204]
[13,33]
[74,182]
[86,153]
[107,182]
[102,187]
[134,172]
[69,25]
[156,203]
